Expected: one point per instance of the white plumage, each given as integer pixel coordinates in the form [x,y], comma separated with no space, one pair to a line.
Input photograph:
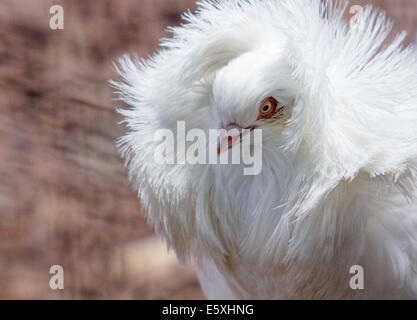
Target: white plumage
[337,186]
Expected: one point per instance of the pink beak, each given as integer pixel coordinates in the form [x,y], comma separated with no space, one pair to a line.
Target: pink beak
[229,137]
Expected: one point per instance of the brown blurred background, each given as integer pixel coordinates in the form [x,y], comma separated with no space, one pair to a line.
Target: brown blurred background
[64,195]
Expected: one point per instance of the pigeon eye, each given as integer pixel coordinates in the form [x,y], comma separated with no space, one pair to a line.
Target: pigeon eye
[267,108]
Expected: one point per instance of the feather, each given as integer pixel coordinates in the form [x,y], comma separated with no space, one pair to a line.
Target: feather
[338,179]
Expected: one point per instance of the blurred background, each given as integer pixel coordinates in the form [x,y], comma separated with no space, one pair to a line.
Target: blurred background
[64,195]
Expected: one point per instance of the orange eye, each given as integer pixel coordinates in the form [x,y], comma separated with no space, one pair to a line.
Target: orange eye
[267,108]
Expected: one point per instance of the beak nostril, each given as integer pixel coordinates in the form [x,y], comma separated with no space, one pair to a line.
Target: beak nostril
[234,125]
[231,126]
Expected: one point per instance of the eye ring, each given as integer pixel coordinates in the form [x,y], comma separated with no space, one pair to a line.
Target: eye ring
[267,108]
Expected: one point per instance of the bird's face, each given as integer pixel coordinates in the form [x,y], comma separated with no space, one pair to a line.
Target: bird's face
[254,91]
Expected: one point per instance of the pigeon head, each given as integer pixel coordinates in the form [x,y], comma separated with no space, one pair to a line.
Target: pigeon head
[252,93]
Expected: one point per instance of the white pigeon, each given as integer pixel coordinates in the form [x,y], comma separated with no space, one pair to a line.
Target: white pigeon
[337,189]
